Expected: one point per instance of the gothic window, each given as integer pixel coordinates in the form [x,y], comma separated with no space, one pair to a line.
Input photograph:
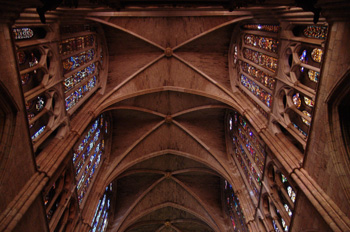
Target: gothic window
[71,45]
[259,75]
[312,31]
[78,60]
[262,27]
[248,152]
[261,59]
[100,220]
[235,54]
[55,197]
[26,33]
[234,209]
[316,55]
[265,43]
[81,60]
[255,89]
[88,156]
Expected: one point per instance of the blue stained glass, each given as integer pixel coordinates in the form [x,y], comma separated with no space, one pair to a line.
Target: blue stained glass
[300,130]
[303,57]
[75,97]
[259,92]
[78,77]
[76,61]
[38,133]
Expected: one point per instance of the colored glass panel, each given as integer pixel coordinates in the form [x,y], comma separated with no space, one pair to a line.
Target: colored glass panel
[303,57]
[299,129]
[22,33]
[38,133]
[316,55]
[259,75]
[21,57]
[78,77]
[33,60]
[291,193]
[235,55]
[286,207]
[313,75]
[261,59]
[262,27]
[284,179]
[234,209]
[78,94]
[304,120]
[259,92]
[87,157]
[297,100]
[75,44]
[316,32]
[275,226]
[40,104]
[76,61]
[30,117]
[100,220]
[309,102]
[25,78]
[252,137]
[266,43]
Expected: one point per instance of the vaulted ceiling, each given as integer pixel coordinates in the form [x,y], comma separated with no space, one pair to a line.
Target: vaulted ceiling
[168,153]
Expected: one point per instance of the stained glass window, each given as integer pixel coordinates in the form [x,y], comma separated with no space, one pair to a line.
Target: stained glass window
[289,211]
[316,55]
[291,193]
[261,59]
[79,93]
[78,77]
[30,117]
[22,33]
[284,179]
[309,102]
[25,78]
[266,43]
[38,133]
[234,209]
[259,92]
[299,129]
[316,32]
[313,75]
[75,44]
[297,100]
[88,155]
[262,27]
[249,153]
[259,75]
[303,57]
[40,103]
[304,120]
[275,226]
[235,54]
[76,61]
[100,220]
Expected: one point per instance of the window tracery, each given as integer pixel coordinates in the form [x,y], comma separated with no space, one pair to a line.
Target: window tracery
[262,27]
[248,151]
[100,220]
[261,59]
[234,209]
[88,155]
[266,43]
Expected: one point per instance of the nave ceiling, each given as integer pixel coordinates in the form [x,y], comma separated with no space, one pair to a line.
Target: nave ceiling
[168,152]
